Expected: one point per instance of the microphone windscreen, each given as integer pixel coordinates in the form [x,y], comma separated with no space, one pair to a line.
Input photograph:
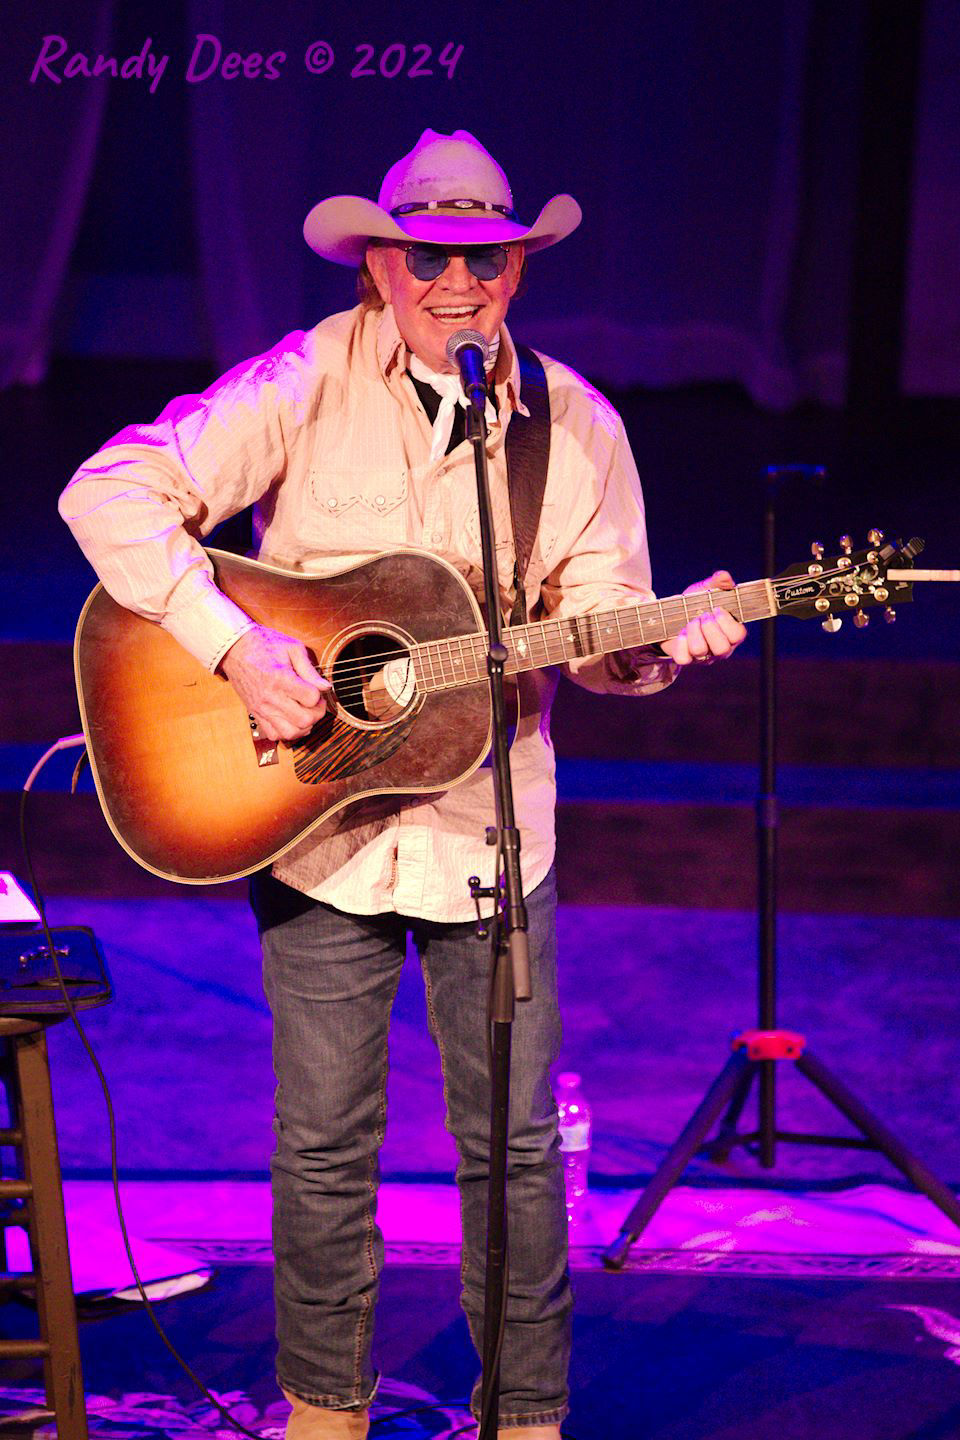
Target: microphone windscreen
[459,338]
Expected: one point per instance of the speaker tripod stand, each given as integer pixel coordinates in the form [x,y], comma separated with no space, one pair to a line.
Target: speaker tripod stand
[758,1051]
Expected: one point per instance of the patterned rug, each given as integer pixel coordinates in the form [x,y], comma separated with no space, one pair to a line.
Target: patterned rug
[399,1410]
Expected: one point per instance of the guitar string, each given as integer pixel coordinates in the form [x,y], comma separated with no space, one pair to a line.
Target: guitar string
[352,687]
[359,667]
[476,654]
[478,639]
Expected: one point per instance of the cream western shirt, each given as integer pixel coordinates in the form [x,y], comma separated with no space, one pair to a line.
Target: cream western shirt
[326,433]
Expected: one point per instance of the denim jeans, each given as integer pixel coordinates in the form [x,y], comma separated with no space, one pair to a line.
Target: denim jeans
[330,979]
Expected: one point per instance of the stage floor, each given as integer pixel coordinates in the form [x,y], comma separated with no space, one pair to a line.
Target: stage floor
[657,1356]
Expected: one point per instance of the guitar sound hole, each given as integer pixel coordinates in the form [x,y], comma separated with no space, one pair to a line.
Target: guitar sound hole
[373,678]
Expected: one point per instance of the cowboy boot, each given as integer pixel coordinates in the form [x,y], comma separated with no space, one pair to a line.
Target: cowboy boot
[316,1422]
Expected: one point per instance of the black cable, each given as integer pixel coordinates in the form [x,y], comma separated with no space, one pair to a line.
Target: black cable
[422,1410]
[112,1124]
[114,1162]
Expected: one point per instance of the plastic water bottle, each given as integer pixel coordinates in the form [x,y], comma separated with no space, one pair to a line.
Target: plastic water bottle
[575,1124]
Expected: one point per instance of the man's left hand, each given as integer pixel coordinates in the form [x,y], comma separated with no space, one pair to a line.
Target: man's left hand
[712,636]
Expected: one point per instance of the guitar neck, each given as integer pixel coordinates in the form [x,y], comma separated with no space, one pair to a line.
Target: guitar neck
[462,659]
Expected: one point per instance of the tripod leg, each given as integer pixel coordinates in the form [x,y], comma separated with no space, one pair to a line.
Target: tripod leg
[678,1157]
[875,1131]
[718,1149]
[767,1124]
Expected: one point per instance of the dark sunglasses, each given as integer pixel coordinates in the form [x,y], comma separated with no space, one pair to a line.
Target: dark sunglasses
[426,262]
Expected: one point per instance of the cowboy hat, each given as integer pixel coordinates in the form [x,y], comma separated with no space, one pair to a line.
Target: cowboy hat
[447,191]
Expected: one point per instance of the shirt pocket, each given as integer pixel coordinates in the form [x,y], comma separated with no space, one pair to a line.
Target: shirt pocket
[359,510]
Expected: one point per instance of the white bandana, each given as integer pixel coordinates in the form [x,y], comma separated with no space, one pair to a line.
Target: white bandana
[450,390]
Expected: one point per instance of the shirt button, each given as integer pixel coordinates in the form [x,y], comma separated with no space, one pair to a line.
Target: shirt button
[381,500]
[436,537]
[332,503]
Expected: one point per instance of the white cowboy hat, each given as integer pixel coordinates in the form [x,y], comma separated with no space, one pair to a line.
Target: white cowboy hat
[447,191]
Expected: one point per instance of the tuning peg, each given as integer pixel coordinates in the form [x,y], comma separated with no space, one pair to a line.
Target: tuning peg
[831,624]
[816,550]
[875,537]
[889,614]
[861,620]
[846,544]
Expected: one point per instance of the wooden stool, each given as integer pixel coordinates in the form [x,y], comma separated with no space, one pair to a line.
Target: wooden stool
[39,1208]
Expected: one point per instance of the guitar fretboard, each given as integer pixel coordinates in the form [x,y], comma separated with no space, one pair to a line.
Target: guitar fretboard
[462,659]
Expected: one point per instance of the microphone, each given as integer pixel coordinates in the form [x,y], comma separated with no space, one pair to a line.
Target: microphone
[468,350]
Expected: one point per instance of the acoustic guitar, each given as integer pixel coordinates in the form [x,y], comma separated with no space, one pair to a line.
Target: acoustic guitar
[194,793]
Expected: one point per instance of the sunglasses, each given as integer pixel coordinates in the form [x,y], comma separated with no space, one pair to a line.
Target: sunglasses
[426,262]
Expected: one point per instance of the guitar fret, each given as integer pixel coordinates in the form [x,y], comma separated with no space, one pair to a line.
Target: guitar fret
[519,648]
[437,664]
[553,636]
[629,630]
[469,659]
[652,628]
[446,663]
[426,667]
[537,637]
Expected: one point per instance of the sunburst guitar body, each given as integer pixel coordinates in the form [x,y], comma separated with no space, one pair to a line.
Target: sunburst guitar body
[188,786]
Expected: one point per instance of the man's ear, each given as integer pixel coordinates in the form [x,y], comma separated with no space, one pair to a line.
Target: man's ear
[517,255]
[377,265]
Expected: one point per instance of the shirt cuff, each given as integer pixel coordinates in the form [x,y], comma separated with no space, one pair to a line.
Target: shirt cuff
[208,626]
[642,670]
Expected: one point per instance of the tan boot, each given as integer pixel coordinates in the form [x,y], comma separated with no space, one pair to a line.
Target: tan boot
[316,1422]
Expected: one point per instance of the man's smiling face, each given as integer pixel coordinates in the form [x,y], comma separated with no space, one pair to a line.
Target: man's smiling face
[429,311]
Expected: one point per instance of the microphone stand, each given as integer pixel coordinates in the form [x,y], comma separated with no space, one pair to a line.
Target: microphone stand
[510,956]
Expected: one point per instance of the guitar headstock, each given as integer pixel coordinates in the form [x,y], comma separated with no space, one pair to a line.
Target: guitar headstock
[848,583]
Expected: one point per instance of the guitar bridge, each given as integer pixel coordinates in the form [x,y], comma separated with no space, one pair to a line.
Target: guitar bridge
[266,750]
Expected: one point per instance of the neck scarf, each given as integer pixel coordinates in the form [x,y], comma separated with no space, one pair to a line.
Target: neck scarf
[450,390]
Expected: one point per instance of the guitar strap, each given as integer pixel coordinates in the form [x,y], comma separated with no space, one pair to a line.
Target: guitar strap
[528,453]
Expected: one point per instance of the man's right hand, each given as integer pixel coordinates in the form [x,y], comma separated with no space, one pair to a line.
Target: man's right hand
[278,683]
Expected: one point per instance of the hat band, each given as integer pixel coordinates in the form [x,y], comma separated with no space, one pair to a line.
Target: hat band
[486,208]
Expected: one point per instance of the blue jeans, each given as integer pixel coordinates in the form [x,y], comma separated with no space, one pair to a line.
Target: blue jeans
[331,979]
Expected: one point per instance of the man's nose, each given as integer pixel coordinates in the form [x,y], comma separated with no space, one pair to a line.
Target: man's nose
[456,276]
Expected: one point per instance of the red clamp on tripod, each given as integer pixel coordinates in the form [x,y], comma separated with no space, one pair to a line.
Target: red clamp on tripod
[770,1044]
